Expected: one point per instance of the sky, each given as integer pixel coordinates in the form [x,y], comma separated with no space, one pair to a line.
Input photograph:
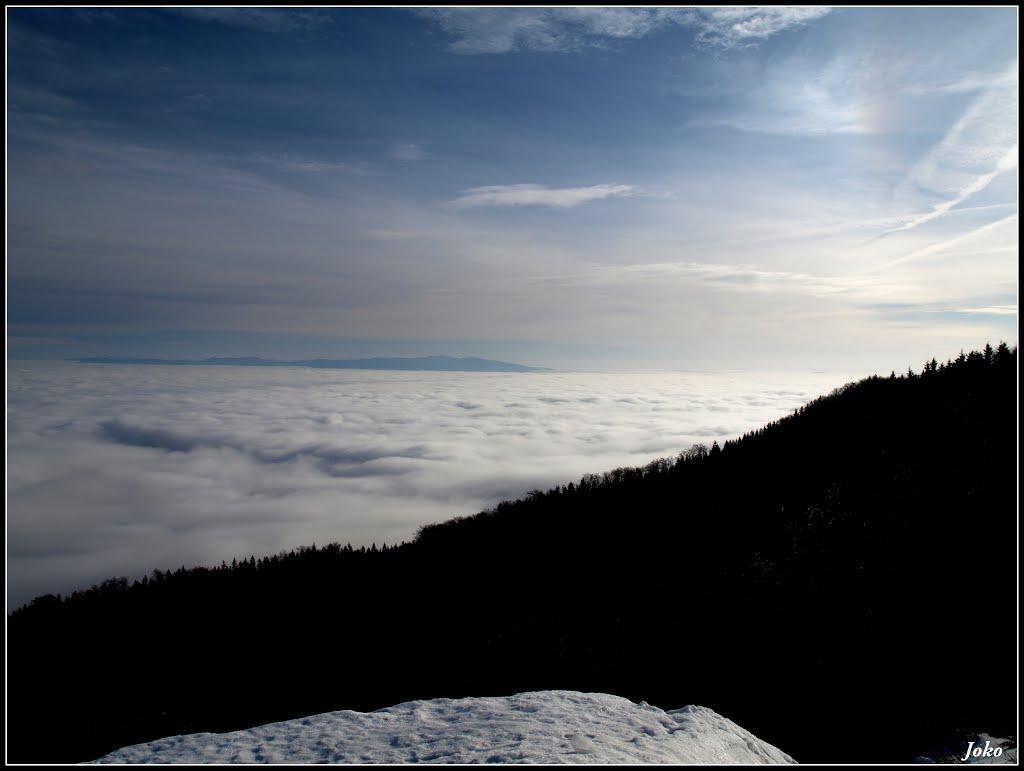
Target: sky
[546,727]
[608,189]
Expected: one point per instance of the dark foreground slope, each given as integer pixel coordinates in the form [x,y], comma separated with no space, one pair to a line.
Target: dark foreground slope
[842,583]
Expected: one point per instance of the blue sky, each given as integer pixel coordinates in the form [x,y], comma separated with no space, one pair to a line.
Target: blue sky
[618,188]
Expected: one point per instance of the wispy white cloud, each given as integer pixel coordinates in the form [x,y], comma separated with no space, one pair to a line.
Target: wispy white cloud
[965,83]
[978,147]
[538,195]
[274,20]
[287,162]
[993,310]
[868,89]
[40,104]
[798,95]
[391,234]
[500,30]
[408,151]
[972,240]
[747,278]
[730,27]
[199,99]
[99,15]
[1006,163]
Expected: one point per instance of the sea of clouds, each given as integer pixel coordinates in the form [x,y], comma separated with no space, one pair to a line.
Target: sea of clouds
[119,469]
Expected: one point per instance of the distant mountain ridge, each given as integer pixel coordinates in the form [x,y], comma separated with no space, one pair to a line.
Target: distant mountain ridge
[421,363]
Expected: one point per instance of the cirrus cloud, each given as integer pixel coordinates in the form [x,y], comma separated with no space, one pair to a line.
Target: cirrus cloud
[728,27]
[538,195]
[272,20]
[501,30]
[979,147]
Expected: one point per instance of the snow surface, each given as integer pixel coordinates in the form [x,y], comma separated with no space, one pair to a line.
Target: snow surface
[538,727]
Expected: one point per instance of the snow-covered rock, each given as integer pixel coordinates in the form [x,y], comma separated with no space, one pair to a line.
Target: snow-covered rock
[538,727]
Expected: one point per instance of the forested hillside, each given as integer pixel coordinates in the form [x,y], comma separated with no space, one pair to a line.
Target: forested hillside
[841,582]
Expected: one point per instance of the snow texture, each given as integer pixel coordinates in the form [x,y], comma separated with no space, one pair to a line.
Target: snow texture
[538,727]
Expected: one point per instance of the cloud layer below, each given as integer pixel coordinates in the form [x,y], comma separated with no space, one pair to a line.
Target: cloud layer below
[119,470]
